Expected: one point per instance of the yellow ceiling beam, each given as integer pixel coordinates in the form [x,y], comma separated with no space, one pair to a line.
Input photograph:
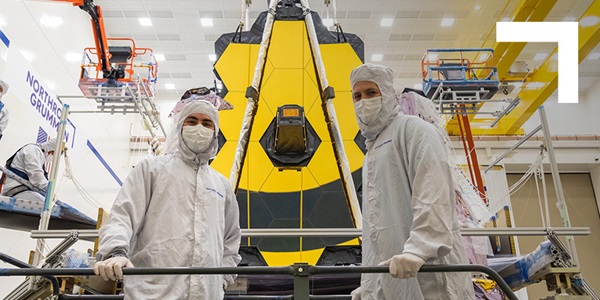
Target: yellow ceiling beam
[539,13]
[545,80]
[502,51]
[505,54]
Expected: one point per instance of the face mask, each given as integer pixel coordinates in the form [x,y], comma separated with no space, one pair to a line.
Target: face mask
[368,110]
[197,137]
[49,158]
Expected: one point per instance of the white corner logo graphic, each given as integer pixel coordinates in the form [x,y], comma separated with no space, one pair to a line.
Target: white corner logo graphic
[567,36]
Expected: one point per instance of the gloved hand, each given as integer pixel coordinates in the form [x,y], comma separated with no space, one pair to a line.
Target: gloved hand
[355,294]
[404,265]
[112,268]
[155,145]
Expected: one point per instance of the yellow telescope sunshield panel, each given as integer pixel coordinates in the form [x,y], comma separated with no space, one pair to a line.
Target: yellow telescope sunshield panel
[308,197]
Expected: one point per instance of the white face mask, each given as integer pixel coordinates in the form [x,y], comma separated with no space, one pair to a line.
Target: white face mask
[197,137]
[368,110]
[49,158]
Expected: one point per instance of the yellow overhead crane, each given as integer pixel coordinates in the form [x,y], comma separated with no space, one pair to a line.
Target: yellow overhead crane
[506,53]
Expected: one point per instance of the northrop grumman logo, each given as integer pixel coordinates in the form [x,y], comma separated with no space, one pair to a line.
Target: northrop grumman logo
[567,36]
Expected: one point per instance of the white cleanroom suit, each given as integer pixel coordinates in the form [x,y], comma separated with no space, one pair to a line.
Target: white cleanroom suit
[29,164]
[408,199]
[175,211]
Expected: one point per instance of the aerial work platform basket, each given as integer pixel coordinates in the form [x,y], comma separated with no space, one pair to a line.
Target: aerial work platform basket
[459,77]
[133,69]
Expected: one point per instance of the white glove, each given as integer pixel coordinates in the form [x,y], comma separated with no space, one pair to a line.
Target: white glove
[355,294]
[112,268]
[404,265]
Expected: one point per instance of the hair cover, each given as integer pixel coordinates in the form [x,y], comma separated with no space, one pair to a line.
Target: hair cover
[201,107]
[48,145]
[384,78]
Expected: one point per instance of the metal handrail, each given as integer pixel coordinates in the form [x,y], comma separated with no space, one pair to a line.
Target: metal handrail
[89,234]
[17,263]
[424,269]
[301,272]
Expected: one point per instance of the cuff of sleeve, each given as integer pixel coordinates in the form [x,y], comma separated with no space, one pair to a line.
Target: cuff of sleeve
[115,253]
[416,253]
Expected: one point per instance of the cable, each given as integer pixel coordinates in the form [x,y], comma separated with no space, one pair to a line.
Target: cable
[85,195]
[537,188]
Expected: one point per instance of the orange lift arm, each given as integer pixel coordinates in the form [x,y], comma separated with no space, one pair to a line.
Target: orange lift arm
[97,20]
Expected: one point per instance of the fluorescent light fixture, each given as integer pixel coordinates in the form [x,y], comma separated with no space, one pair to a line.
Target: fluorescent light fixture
[169,86]
[328,22]
[212,57]
[432,56]
[535,85]
[50,21]
[159,57]
[377,57]
[73,57]
[206,22]
[145,21]
[594,55]
[417,86]
[540,56]
[483,56]
[386,22]
[447,22]
[589,21]
[29,56]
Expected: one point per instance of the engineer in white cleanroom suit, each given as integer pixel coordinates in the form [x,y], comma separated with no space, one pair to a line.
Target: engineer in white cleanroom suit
[28,163]
[174,211]
[3,109]
[408,198]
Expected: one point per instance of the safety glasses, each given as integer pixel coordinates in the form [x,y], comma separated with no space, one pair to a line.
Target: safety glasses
[196,91]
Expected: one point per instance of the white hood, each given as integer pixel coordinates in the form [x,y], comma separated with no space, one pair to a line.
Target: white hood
[202,107]
[384,78]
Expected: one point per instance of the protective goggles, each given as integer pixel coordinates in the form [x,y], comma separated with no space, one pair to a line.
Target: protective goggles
[201,91]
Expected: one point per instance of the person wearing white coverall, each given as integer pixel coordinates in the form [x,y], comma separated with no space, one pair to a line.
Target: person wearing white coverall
[174,211]
[28,163]
[408,199]
[3,109]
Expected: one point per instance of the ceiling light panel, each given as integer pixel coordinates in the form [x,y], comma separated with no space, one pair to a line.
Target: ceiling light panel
[206,22]
[386,22]
[377,57]
[540,56]
[447,22]
[145,21]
